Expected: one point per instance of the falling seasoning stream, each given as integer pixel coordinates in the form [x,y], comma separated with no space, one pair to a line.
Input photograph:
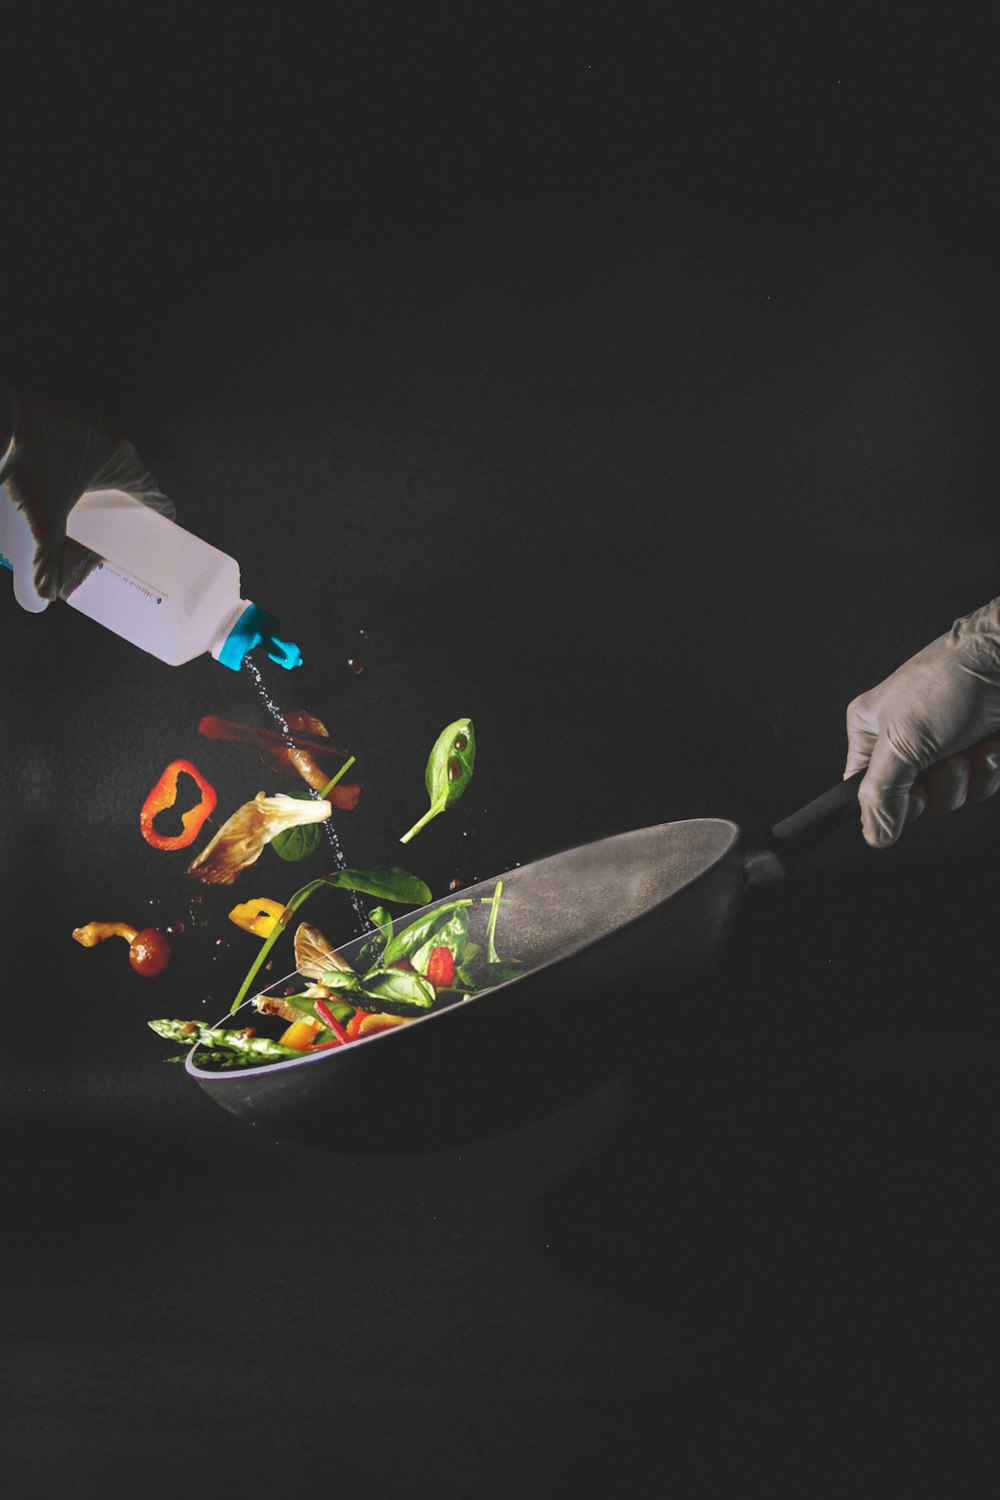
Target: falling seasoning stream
[364,921]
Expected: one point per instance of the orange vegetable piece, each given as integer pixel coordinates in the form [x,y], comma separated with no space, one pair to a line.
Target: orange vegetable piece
[164,795]
[299,1035]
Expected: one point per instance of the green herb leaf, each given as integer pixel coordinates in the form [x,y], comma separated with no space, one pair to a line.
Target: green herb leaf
[449,770]
[407,941]
[400,992]
[452,934]
[385,882]
[303,840]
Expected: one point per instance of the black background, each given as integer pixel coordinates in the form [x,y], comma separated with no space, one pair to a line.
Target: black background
[628,383]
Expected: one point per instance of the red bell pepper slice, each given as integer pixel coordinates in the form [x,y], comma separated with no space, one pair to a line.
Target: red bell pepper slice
[164,795]
[328,1018]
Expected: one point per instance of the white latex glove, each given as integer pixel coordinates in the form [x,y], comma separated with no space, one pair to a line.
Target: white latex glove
[49,457]
[944,700]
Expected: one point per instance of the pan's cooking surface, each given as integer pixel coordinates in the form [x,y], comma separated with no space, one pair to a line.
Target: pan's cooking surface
[555,907]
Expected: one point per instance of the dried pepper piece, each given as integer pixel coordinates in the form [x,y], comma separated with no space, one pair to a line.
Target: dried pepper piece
[312,744]
[164,794]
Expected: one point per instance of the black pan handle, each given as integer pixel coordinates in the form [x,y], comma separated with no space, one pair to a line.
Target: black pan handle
[783,848]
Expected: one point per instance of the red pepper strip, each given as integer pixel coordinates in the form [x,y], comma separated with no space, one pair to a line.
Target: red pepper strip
[354,1024]
[226,729]
[328,1018]
[164,795]
[300,758]
[322,1046]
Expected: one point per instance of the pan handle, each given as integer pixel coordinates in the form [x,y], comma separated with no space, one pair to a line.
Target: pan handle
[782,848]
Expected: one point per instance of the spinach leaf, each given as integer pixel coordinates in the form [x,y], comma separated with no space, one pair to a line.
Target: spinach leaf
[302,840]
[417,933]
[449,770]
[452,934]
[400,992]
[305,839]
[385,882]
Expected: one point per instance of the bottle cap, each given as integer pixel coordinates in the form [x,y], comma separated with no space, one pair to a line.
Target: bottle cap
[255,627]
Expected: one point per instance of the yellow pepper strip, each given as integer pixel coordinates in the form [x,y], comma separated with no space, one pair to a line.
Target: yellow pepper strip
[262,917]
[95,932]
[370,1024]
[299,1035]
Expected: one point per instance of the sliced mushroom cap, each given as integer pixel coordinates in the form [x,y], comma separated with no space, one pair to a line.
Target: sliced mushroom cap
[315,955]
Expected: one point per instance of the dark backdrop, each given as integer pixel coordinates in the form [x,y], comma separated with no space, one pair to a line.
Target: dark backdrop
[629,384]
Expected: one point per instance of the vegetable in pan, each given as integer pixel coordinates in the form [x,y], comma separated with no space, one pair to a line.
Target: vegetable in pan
[431,962]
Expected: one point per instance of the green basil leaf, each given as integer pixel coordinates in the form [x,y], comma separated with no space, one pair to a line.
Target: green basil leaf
[449,770]
[400,992]
[386,883]
[301,841]
[410,938]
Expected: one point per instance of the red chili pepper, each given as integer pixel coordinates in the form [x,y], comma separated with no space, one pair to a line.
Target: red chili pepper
[440,968]
[323,1046]
[164,795]
[354,1024]
[328,1018]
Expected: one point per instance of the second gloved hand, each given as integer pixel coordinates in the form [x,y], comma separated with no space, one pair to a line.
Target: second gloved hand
[49,457]
[942,701]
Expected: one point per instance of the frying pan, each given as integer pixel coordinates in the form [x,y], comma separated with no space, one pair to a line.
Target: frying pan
[626,920]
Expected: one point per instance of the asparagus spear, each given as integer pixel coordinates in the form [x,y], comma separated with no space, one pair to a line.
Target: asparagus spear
[194,1032]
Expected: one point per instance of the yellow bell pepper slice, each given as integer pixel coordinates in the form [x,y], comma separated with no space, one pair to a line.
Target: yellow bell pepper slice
[262,917]
[299,1035]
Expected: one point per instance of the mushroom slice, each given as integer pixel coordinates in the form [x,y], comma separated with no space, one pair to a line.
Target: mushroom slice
[242,837]
[314,955]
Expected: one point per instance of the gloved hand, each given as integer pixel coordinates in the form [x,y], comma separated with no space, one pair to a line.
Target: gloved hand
[49,457]
[944,700]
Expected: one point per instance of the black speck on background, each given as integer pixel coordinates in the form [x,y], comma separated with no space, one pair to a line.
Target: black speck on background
[627,383]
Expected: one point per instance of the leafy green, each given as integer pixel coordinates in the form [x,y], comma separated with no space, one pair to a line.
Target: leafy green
[449,770]
[385,882]
[303,840]
[406,942]
[453,934]
[300,841]
[400,991]
[388,884]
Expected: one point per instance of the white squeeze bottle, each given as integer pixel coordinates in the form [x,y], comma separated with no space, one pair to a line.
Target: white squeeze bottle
[157,585]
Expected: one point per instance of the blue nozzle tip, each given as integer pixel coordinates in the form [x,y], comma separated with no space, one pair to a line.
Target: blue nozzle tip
[285,653]
[255,627]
